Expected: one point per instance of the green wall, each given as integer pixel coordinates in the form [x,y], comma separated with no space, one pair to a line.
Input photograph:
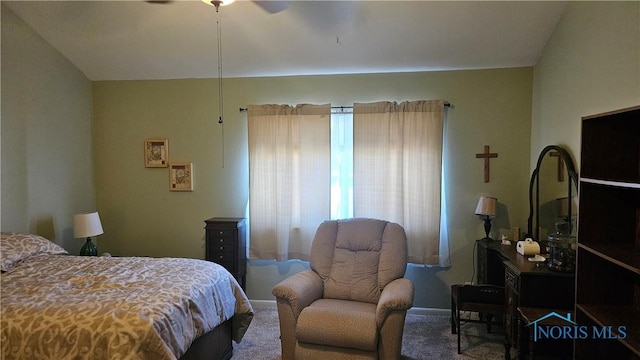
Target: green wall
[47,164]
[142,217]
[590,65]
[52,154]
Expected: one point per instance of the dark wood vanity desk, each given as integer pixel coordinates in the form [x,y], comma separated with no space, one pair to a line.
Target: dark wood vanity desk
[527,284]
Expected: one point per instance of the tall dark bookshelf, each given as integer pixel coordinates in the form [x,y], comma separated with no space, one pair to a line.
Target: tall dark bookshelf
[608,262]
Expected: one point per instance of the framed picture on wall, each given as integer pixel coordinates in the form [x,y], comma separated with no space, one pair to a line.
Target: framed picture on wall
[156,152]
[181,176]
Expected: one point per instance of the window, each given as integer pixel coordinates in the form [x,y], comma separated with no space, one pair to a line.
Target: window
[310,163]
[341,163]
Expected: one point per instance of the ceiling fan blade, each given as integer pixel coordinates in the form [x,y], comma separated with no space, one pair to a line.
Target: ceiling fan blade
[272,6]
[161,2]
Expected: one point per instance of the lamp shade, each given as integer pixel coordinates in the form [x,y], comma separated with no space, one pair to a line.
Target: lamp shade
[486,206]
[86,225]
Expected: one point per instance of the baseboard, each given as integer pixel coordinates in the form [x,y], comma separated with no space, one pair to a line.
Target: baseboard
[414,310]
[263,303]
[429,311]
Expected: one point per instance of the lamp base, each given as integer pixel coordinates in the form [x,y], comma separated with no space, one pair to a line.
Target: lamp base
[89,249]
[487,227]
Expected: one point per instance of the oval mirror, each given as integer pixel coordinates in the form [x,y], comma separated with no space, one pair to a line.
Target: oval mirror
[553,191]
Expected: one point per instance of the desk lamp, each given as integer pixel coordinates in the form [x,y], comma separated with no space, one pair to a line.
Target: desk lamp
[486,209]
[86,226]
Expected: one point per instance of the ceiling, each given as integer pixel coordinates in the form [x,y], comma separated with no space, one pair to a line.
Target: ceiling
[134,40]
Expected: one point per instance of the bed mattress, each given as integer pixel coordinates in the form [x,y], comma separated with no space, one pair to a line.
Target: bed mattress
[73,307]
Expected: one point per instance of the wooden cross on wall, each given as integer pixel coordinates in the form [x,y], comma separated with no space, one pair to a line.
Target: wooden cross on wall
[560,165]
[486,155]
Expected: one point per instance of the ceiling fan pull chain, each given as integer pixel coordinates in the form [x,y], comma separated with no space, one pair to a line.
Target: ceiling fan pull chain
[220,89]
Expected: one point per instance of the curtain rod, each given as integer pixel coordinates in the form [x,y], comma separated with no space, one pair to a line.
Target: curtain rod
[446,104]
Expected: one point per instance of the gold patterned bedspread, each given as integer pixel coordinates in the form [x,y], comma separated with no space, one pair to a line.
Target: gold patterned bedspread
[73,307]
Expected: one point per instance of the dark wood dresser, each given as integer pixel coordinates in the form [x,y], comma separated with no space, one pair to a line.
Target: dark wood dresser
[226,244]
[527,284]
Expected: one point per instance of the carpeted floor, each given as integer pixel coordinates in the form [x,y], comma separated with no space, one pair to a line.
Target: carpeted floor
[425,337]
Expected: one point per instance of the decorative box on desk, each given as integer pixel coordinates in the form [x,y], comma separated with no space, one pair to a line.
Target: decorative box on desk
[226,244]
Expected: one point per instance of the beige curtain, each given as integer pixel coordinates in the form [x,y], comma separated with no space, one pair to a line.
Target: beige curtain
[398,167]
[289,178]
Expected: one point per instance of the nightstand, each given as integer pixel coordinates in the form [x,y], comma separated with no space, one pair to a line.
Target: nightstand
[226,244]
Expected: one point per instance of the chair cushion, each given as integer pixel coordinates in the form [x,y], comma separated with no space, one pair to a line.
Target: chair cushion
[482,294]
[341,323]
[351,267]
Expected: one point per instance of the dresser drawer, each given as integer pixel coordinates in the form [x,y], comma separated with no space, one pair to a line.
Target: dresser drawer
[226,245]
[482,265]
[222,247]
[511,279]
[510,316]
[223,232]
[221,236]
[225,263]
[216,251]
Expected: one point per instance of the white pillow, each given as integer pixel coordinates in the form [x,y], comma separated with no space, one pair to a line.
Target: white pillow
[15,247]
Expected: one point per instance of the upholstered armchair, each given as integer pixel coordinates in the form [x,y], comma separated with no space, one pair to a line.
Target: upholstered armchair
[353,302]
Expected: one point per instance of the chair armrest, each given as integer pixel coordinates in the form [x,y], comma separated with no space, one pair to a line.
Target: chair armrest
[299,290]
[396,296]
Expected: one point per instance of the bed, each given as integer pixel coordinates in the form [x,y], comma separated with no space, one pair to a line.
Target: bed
[57,306]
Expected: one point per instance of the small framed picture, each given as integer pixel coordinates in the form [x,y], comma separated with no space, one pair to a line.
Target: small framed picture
[181,176]
[156,153]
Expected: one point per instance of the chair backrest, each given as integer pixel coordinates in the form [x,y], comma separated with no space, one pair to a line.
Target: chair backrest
[356,258]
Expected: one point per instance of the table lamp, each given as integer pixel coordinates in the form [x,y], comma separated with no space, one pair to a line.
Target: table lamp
[86,226]
[486,209]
